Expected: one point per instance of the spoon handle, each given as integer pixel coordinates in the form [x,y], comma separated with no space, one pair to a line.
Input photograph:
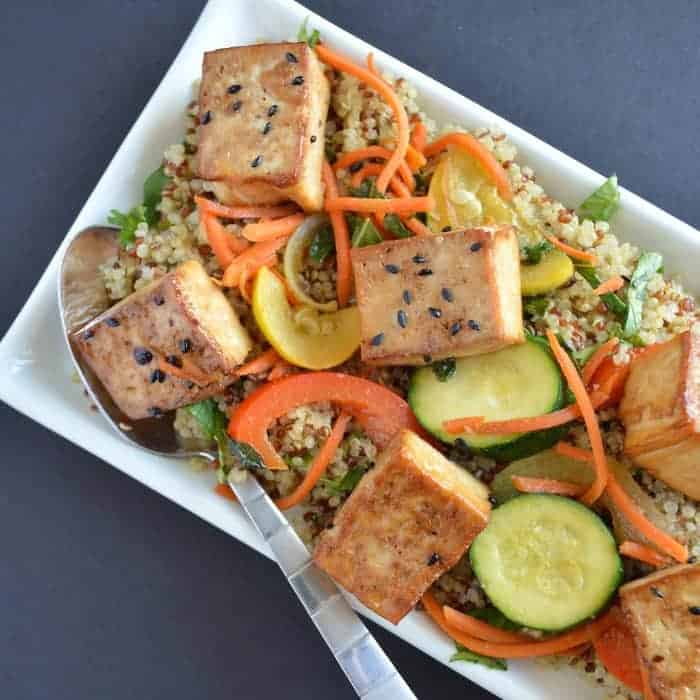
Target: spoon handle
[367,667]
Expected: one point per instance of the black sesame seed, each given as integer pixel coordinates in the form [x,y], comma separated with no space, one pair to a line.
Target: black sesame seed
[189,384]
[266,128]
[174,360]
[433,559]
[235,106]
[206,117]
[474,247]
[455,328]
[256,161]
[233,89]
[445,229]
[392,269]
[407,296]
[157,375]
[313,138]
[425,272]
[356,167]
[446,294]
[299,80]
[427,359]
[418,259]
[377,340]
[692,560]
[185,345]
[473,325]
[493,501]
[158,300]
[89,333]
[142,356]
[694,609]
[272,111]
[402,318]
[292,58]
[155,412]
[435,313]
[655,591]
[112,322]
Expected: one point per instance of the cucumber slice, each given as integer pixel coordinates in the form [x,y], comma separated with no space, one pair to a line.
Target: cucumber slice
[546,562]
[551,272]
[516,382]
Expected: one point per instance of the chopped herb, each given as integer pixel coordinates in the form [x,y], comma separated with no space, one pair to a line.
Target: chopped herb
[367,190]
[127,223]
[322,244]
[603,203]
[647,266]
[213,423]
[363,230]
[329,150]
[494,617]
[464,654]
[303,34]
[153,193]
[611,300]
[345,483]
[246,456]
[535,306]
[421,181]
[445,369]
[533,253]
[395,226]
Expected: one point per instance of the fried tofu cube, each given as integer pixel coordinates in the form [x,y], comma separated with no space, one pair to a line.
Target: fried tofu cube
[451,295]
[408,521]
[663,611]
[262,113]
[182,321]
[660,410]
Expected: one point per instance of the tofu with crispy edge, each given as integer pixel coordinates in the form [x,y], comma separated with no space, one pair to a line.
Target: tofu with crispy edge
[426,298]
[408,521]
[262,114]
[183,319]
[663,611]
[660,410]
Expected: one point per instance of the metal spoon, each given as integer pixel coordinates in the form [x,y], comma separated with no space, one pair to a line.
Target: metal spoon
[81,297]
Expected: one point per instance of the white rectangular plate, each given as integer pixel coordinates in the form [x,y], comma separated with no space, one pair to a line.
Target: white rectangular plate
[35,370]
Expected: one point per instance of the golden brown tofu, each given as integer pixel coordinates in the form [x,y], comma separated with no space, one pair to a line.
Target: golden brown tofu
[262,119]
[660,410]
[183,320]
[663,611]
[408,521]
[423,299]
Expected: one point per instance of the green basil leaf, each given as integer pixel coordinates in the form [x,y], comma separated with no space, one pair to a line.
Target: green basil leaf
[603,203]
[213,423]
[464,654]
[153,192]
[346,483]
[367,189]
[421,182]
[494,617]
[535,306]
[303,34]
[611,300]
[322,244]
[533,253]
[364,232]
[127,223]
[444,369]
[647,266]
[393,223]
[245,454]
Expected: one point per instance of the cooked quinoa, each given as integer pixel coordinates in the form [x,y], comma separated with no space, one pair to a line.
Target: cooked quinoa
[359,118]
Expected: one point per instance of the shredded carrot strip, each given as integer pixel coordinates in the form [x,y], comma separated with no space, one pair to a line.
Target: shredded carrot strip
[476,149]
[218,238]
[648,693]
[478,425]
[416,226]
[372,67]
[629,508]
[262,363]
[597,358]
[368,169]
[211,206]
[224,490]
[609,286]
[236,244]
[635,550]
[318,466]
[397,205]
[583,401]
[254,257]
[348,159]
[571,251]
[188,372]
[415,159]
[527,484]
[245,283]
[478,628]
[341,63]
[419,137]
[342,239]
[520,650]
[273,229]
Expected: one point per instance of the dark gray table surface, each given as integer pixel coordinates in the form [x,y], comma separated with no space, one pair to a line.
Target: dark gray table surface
[108,590]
